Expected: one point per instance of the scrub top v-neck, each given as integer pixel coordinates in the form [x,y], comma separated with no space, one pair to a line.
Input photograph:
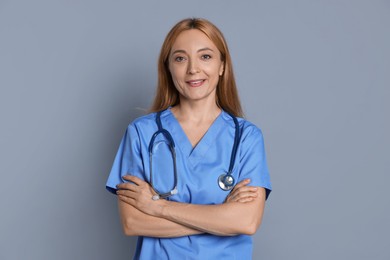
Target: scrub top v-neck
[197,152]
[198,169]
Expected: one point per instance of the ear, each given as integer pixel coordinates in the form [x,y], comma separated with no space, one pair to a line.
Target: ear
[221,68]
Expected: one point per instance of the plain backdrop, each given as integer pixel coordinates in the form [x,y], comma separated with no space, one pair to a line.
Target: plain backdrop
[314,75]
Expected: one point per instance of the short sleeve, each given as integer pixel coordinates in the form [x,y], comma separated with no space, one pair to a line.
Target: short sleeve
[128,159]
[253,160]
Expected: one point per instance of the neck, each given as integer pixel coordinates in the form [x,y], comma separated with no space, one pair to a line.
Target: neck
[196,112]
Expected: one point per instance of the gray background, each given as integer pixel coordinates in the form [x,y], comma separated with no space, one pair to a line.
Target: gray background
[314,75]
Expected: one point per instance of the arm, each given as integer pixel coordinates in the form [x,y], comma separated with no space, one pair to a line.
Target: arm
[227,219]
[137,223]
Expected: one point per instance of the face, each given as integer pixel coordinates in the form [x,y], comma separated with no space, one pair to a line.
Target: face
[195,65]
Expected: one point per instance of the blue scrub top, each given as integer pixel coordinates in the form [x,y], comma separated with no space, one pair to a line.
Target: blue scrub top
[198,169]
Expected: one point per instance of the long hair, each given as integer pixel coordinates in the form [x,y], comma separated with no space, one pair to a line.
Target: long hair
[226,92]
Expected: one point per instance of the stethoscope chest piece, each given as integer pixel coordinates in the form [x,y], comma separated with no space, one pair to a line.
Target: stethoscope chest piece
[226,181]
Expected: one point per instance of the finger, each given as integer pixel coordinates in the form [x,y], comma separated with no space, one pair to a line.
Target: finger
[234,193]
[126,193]
[245,200]
[242,195]
[242,183]
[247,189]
[133,179]
[235,196]
[126,199]
[127,186]
[231,196]
[124,185]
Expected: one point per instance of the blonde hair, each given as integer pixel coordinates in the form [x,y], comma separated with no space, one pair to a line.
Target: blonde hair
[226,93]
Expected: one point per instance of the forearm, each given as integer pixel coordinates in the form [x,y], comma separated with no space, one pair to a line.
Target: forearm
[224,219]
[137,223]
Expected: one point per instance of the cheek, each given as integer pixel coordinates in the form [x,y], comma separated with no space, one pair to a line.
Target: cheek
[213,67]
[176,80]
[212,71]
[175,74]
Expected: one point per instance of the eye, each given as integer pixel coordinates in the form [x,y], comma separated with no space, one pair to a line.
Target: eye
[206,57]
[179,59]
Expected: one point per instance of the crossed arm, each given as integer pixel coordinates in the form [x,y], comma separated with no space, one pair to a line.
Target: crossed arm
[241,213]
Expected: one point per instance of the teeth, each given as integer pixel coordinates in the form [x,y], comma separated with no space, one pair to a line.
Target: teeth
[196,82]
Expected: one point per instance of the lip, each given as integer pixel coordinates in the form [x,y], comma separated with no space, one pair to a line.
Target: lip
[195,82]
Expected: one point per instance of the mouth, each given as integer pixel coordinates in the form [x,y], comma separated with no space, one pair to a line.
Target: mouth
[195,82]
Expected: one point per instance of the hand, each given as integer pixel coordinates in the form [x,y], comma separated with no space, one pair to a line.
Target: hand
[139,194]
[242,193]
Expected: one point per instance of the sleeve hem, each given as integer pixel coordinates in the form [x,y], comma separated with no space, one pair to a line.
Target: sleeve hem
[111,189]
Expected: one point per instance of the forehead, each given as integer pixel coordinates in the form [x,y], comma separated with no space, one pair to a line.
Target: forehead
[192,39]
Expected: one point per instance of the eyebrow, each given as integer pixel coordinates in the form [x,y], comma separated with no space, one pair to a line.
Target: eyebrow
[200,50]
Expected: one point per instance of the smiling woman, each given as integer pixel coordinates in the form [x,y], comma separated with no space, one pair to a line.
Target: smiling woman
[219,173]
[195,65]
[226,93]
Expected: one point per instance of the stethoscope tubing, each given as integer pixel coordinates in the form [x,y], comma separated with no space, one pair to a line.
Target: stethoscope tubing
[161,130]
[225,181]
[237,138]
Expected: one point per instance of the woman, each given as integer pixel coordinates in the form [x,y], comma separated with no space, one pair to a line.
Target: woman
[173,191]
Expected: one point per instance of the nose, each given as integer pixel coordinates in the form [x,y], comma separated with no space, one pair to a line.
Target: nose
[193,67]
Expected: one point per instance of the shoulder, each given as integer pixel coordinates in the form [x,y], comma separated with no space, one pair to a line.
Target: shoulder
[145,119]
[250,131]
[142,122]
[146,125]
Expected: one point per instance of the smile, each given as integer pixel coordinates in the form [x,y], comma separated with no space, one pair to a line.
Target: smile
[195,83]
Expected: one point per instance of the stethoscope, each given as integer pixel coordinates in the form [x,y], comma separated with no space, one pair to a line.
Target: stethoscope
[226,180]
